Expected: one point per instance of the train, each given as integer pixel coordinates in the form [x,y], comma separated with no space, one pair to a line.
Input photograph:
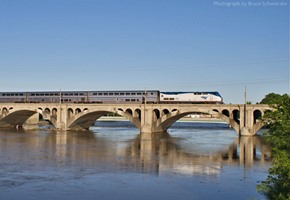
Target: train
[124,96]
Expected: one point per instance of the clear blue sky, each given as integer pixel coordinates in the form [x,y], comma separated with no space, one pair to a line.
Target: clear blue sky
[170,45]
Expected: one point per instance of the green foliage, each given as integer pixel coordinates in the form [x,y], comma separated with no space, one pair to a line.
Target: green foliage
[271,98]
[277,185]
[113,115]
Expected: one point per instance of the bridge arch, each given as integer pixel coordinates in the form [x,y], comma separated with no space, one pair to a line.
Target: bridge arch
[230,116]
[77,110]
[156,113]
[47,110]
[86,119]
[236,115]
[54,112]
[257,114]
[16,118]
[215,110]
[168,119]
[137,114]
[5,111]
[165,111]
[226,112]
[70,113]
[46,113]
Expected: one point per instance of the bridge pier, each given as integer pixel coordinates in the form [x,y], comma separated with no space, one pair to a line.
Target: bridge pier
[61,122]
[247,124]
[245,131]
[148,121]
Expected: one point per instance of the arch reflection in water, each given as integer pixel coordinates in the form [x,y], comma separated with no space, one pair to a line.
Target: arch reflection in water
[247,151]
[159,153]
[95,152]
[119,161]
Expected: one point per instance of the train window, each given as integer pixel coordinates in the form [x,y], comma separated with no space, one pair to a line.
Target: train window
[110,93]
[127,93]
[105,93]
[32,94]
[37,94]
[151,93]
[138,93]
[3,94]
[127,99]
[165,98]
[8,94]
[81,93]
[65,94]
[121,93]
[133,99]
[21,94]
[133,93]
[100,94]
[16,94]
[76,94]
[116,93]
[56,94]
[71,94]
[95,93]
[46,94]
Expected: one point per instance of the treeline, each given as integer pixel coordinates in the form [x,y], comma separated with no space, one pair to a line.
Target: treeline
[277,184]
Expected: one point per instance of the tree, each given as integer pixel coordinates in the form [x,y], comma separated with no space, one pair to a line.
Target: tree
[277,184]
[271,98]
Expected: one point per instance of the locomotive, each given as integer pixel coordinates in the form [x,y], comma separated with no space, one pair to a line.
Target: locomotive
[123,96]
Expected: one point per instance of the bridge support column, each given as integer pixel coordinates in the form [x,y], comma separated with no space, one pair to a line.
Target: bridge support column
[146,120]
[246,122]
[62,118]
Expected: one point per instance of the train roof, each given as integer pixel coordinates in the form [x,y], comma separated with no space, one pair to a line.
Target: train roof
[78,91]
[202,92]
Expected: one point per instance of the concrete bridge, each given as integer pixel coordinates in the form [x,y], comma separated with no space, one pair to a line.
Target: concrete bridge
[149,118]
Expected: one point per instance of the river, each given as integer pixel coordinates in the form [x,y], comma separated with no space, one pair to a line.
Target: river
[113,161]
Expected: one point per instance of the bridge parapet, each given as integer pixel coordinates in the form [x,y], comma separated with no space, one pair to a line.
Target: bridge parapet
[245,119]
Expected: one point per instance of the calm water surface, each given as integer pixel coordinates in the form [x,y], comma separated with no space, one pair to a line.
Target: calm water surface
[114,161]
